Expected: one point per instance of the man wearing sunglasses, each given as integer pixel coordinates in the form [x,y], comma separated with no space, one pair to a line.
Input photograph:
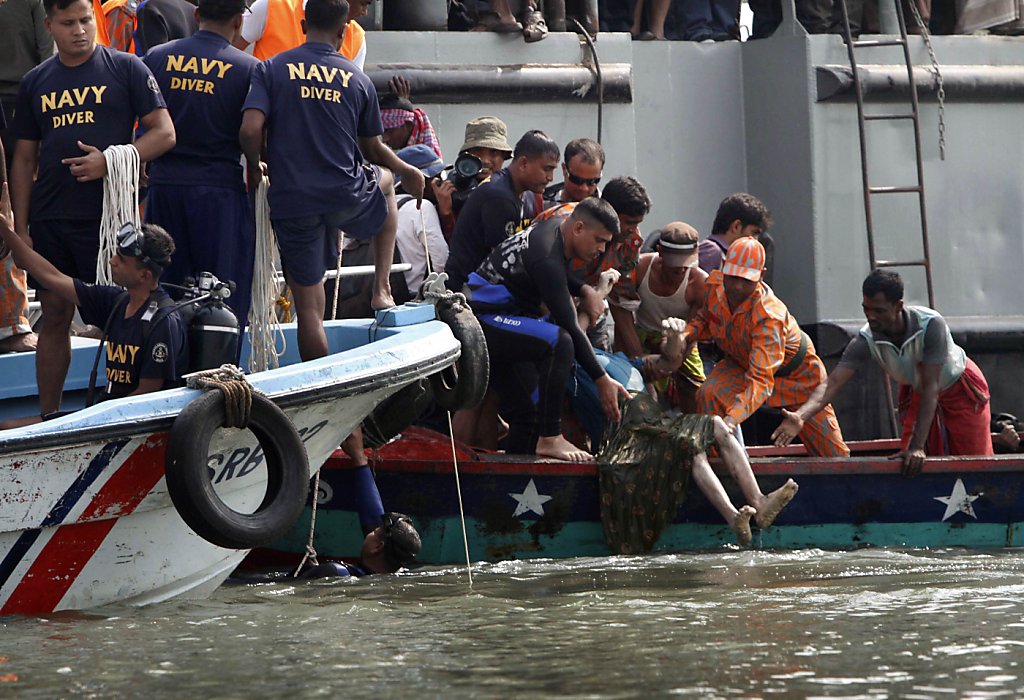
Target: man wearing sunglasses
[145,339]
[581,172]
[386,549]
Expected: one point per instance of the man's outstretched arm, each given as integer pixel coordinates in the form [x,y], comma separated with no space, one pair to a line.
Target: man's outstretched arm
[28,259]
[793,422]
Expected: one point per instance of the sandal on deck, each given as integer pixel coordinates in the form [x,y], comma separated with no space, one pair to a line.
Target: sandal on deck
[534,26]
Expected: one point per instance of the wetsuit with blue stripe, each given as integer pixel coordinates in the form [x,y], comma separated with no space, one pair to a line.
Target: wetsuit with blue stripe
[531,353]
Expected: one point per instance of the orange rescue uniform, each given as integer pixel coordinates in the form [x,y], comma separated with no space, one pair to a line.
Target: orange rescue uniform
[758,339]
[283,31]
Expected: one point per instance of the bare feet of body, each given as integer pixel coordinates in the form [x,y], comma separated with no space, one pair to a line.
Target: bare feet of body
[674,339]
[772,504]
[741,525]
[23,342]
[557,447]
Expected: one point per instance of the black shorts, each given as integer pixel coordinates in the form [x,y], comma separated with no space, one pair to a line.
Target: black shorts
[71,245]
[309,244]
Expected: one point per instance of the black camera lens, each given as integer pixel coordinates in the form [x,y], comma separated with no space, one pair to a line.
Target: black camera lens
[468,165]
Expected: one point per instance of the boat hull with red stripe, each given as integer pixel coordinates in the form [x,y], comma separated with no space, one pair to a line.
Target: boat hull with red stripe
[520,507]
[85,517]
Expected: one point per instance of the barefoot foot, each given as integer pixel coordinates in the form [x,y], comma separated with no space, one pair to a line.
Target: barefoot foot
[382,302]
[772,504]
[23,342]
[741,525]
[557,447]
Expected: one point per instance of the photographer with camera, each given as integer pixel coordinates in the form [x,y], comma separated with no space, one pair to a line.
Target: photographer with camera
[483,153]
[495,210]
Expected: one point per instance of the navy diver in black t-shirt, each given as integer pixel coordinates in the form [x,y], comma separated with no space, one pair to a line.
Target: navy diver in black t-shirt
[522,296]
[139,360]
[70,108]
[196,190]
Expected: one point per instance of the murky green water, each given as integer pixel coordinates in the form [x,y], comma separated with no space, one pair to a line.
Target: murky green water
[868,624]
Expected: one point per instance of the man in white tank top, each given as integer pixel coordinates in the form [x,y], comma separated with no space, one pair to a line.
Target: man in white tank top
[671,286]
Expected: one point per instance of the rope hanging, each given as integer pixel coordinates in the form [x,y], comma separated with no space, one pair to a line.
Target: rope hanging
[120,203]
[458,493]
[423,237]
[262,313]
[230,380]
[337,278]
[310,553]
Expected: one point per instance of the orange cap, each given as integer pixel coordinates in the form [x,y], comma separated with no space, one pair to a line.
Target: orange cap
[745,259]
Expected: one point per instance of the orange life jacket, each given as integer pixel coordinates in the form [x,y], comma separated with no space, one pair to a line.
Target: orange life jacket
[101,23]
[121,23]
[283,31]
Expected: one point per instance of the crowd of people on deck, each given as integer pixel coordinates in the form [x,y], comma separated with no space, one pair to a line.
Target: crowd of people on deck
[575,304]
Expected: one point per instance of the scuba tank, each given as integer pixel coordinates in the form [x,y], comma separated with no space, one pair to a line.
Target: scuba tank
[213,333]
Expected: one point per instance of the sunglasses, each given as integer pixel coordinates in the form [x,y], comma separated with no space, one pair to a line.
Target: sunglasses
[576,179]
[129,244]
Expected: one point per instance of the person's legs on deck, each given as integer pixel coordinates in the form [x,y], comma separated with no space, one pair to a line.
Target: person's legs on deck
[72,246]
[530,365]
[384,245]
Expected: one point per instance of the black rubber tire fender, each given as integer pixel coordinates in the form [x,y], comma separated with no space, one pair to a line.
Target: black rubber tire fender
[190,484]
[464,384]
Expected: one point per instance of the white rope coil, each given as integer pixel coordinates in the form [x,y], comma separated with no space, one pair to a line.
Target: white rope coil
[262,316]
[120,203]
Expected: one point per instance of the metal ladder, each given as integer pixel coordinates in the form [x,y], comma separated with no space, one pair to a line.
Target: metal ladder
[914,117]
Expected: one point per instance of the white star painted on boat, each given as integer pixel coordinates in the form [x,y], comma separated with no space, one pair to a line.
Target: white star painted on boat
[958,501]
[529,499]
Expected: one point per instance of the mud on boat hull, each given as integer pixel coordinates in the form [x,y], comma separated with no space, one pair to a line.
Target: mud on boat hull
[85,517]
[517,507]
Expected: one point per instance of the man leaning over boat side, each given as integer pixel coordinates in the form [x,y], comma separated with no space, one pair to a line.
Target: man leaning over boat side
[70,108]
[768,359]
[523,280]
[631,203]
[197,190]
[146,348]
[944,396]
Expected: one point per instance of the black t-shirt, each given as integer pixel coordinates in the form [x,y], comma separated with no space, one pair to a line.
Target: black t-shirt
[492,213]
[318,104]
[533,268]
[204,80]
[96,103]
[129,357]
[160,21]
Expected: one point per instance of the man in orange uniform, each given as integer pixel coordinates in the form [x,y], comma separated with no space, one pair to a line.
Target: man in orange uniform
[768,359]
[276,25]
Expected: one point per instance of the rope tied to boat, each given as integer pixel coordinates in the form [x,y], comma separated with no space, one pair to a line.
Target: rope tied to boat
[231,381]
[120,203]
[310,553]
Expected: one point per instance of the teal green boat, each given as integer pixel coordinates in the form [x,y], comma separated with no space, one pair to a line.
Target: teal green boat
[518,507]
